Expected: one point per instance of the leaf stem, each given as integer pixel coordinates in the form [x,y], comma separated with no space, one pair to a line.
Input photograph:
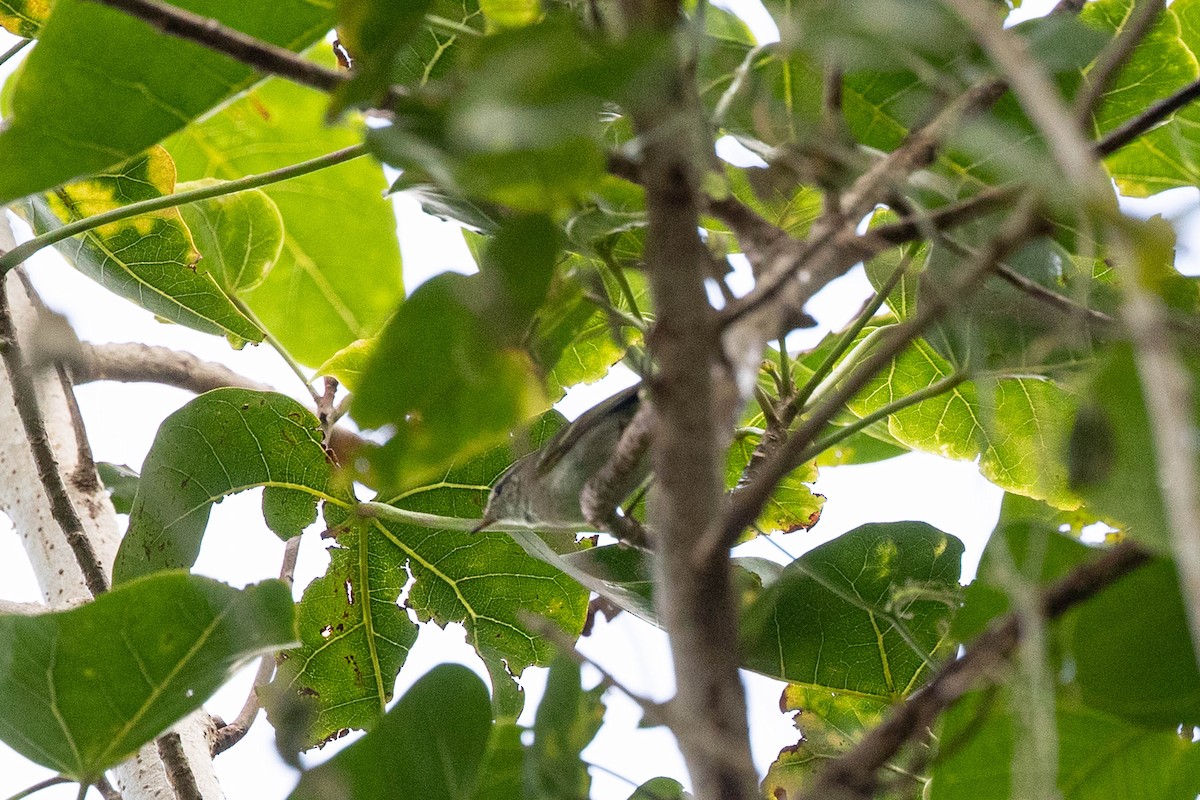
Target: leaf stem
[377,510]
[450,26]
[271,339]
[23,251]
[37,787]
[932,390]
[12,51]
[847,338]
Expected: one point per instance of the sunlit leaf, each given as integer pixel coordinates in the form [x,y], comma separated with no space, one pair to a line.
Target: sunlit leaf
[102,86]
[829,724]
[793,505]
[149,259]
[24,17]
[224,441]
[81,690]
[347,364]
[335,221]
[1162,63]
[430,746]
[240,236]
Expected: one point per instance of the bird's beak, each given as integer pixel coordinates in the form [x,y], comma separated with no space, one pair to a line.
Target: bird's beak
[483,524]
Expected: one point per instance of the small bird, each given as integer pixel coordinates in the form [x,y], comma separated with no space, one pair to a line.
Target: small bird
[542,490]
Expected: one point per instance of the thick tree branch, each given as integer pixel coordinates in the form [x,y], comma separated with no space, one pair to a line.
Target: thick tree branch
[24,498]
[854,776]
[136,363]
[24,397]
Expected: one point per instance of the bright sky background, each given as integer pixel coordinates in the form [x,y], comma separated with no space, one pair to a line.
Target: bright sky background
[122,420]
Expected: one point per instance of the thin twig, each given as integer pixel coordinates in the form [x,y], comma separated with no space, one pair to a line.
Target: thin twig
[655,712]
[53,483]
[1131,129]
[230,734]
[12,51]
[750,499]
[37,787]
[1137,24]
[23,251]
[853,776]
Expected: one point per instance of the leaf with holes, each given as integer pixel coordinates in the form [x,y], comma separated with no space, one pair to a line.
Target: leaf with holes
[81,690]
[149,259]
[224,441]
[353,639]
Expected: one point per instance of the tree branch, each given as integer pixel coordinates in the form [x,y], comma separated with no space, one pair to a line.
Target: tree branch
[853,776]
[1115,139]
[137,363]
[749,501]
[24,396]
[262,56]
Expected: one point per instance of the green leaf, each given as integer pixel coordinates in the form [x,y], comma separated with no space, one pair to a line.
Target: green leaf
[434,51]
[830,724]
[354,639]
[24,17]
[121,483]
[81,690]
[502,776]
[1099,756]
[149,259]
[101,86]
[520,122]
[502,14]
[1113,431]
[428,747]
[1015,426]
[222,442]
[832,619]
[487,581]
[374,32]
[1164,61]
[1133,650]
[239,236]
[447,371]
[567,720]
[1038,553]
[660,789]
[275,125]
[347,364]
[793,505]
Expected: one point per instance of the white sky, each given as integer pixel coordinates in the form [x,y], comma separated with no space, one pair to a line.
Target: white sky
[122,420]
